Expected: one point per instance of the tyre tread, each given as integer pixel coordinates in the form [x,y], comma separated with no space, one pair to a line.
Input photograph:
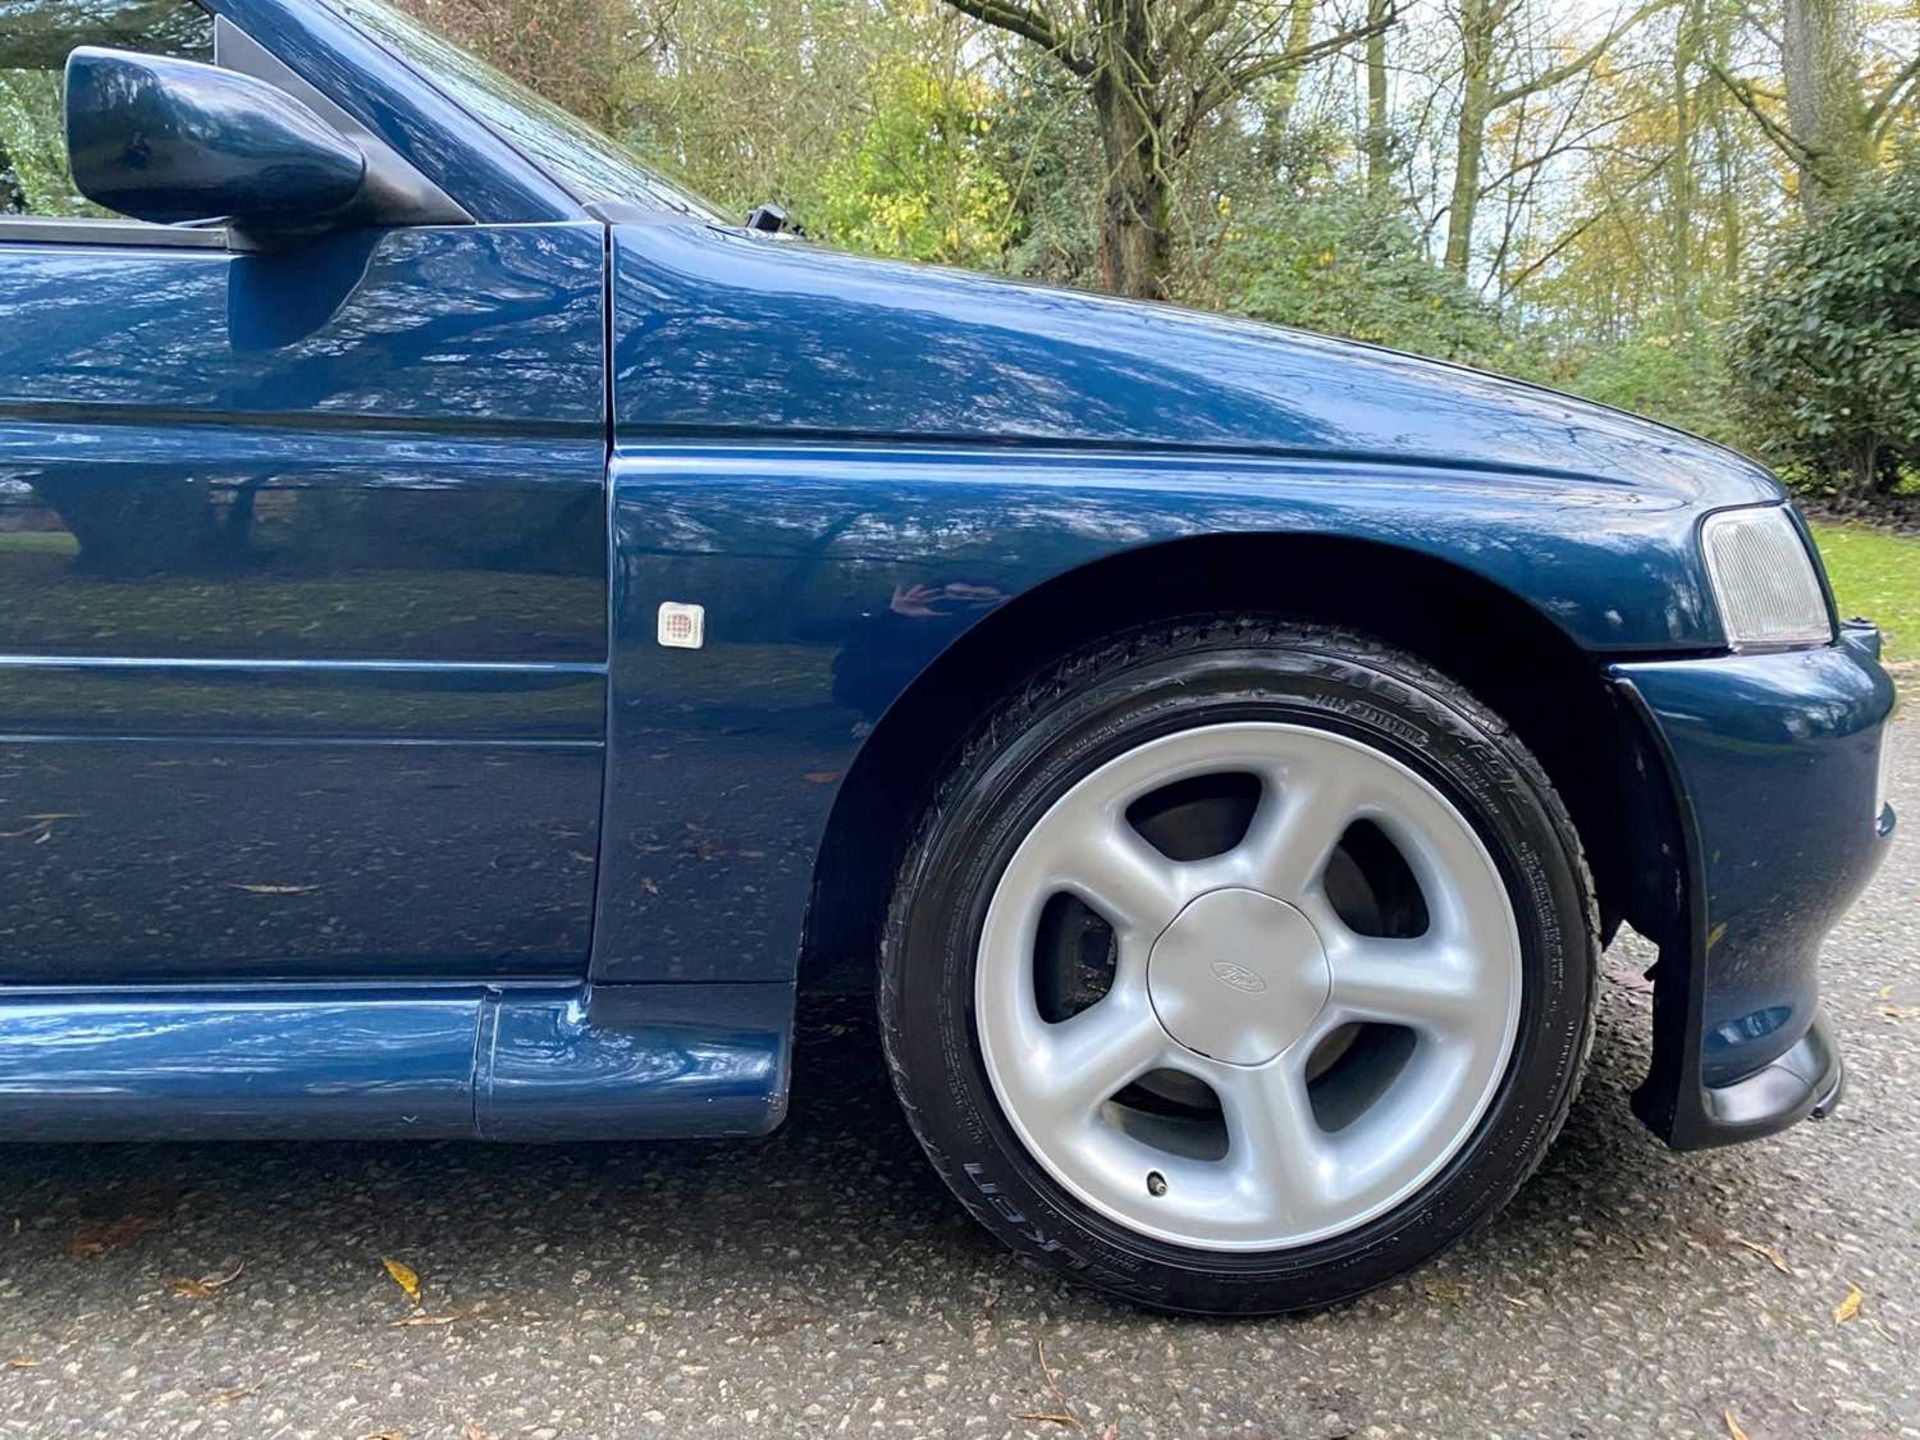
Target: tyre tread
[1057,679]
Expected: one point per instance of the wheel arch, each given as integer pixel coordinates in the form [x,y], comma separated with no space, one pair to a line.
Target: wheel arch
[1493,640]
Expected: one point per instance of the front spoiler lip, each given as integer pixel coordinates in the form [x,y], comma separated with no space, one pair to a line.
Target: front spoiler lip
[1674,1100]
[1808,1080]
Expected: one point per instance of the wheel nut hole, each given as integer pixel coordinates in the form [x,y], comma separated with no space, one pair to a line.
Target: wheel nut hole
[1156,1184]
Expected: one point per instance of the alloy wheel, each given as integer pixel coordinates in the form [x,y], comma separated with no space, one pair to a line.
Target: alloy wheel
[1248,986]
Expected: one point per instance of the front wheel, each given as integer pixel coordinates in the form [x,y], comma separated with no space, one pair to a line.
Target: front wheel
[1238,967]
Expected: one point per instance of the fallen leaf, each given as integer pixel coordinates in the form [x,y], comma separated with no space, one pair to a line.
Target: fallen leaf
[21,1362]
[474,1432]
[1900,1012]
[821,777]
[1046,1417]
[1715,935]
[207,1287]
[1849,1307]
[228,1397]
[105,1235]
[405,1276]
[383,1435]
[1778,1260]
[278,889]
[422,1318]
[1734,1432]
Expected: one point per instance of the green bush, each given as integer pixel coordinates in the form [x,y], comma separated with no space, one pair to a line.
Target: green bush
[1680,379]
[1341,265]
[1826,349]
[919,183]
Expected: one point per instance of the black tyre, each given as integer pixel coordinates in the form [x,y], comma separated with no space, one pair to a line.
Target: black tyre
[1239,966]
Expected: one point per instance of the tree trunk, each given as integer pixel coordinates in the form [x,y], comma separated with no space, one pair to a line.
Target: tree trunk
[1826,106]
[1730,158]
[1682,182]
[1860,467]
[1136,244]
[1379,158]
[1136,239]
[1286,89]
[1477,23]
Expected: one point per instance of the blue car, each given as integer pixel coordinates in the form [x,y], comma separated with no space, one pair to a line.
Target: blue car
[484,632]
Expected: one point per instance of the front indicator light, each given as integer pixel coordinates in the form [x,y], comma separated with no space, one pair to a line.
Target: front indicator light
[1763,579]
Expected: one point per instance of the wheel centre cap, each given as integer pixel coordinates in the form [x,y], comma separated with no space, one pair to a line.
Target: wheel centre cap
[1238,976]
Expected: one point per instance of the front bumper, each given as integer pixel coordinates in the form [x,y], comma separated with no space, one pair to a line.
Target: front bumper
[1774,761]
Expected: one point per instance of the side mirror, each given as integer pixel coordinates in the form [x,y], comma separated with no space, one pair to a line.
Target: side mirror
[174,140]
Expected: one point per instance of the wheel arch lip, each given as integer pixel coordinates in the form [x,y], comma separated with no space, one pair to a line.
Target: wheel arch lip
[1041,617]
[813,549]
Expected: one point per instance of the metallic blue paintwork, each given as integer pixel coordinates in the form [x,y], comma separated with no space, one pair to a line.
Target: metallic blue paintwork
[614,1061]
[807,551]
[392,604]
[408,350]
[448,1063]
[719,331]
[241,1065]
[223,859]
[305,606]
[171,140]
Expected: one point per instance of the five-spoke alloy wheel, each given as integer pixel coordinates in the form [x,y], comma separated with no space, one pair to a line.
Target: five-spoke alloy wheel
[1236,973]
[1239,966]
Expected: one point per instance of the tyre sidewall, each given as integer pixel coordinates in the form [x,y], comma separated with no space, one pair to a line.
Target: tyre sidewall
[1090,711]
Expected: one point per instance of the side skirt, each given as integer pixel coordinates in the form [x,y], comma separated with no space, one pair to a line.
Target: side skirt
[607,1062]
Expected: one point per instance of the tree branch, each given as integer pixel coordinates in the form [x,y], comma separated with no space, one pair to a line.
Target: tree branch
[1236,80]
[1520,277]
[1029,23]
[1880,112]
[1584,61]
[1783,140]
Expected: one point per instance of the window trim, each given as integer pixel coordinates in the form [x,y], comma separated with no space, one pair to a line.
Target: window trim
[119,233]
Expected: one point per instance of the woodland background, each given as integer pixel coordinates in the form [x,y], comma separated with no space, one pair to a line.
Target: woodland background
[1704,210]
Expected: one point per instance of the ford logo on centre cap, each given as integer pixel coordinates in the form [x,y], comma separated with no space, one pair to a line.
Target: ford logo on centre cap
[1239,977]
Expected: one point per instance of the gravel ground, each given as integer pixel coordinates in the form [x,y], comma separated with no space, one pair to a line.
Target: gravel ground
[821,1282]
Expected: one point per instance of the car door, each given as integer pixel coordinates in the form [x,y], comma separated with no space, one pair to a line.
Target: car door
[302,578]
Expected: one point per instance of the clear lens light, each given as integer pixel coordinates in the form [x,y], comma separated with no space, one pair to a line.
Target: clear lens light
[1763,579]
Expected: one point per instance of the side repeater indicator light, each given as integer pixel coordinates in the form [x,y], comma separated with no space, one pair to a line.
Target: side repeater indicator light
[682,626]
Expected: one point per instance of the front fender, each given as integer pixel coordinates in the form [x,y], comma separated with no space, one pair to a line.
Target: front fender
[833,575]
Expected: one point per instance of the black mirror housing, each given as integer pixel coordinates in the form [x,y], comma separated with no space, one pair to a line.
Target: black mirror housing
[171,140]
